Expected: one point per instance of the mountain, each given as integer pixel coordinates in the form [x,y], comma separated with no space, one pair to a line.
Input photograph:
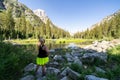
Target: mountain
[41,13]
[19,9]
[108,27]
[2,7]
[106,19]
[18,21]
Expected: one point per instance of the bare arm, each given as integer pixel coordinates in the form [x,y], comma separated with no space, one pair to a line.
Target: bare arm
[46,49]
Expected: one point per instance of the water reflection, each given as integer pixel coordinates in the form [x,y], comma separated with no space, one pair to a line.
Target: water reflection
[34,48]
[54,46]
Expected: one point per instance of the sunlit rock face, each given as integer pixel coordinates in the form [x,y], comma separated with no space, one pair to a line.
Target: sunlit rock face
[41,13]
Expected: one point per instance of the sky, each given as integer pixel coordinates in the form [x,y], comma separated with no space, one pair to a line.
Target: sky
[75,15]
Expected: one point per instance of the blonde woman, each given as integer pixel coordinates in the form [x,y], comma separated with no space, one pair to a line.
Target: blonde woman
[42,57]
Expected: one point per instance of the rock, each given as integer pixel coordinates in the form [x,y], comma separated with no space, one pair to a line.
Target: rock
[73,75]
[15,44]
[54,64]
[28,77]
[58,49]
[64,72]
[30,67]
[64,78]
[52,51]
[99,70]
[76,54]
[99,49]
[77,61]
[41,78]
[115,42]
[52,70]
[72,46]
[39,72]
[58,58]
[89,57]
[69,57]
[70,73]
[99,46]
[92,77]
[95,43]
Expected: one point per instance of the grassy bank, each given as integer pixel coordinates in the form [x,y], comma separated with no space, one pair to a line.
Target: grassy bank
[56,41]
[12,61]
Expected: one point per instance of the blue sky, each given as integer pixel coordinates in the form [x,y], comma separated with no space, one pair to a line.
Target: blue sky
[75,15]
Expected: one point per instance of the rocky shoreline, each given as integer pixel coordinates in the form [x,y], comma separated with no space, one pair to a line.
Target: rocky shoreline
[63,60]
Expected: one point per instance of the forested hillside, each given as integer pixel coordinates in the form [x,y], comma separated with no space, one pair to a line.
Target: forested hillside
[109,27]
[18,21]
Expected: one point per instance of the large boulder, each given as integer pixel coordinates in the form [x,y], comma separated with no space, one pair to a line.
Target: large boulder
[70,73]
[54,64]
[72,46]
[52,51]
[92,77]
[58,58]
[30,67]
[77,54]
[100,70]
[28,77]
[52,70]
[64,78]
[99,46]
[90,57]
[38,74]
[77,61]
[69,57]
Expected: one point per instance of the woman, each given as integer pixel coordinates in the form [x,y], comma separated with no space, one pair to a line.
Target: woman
[42,57]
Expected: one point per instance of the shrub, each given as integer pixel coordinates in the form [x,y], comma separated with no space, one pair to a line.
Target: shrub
[12,60]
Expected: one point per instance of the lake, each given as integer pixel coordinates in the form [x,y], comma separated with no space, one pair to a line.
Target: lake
[33,47]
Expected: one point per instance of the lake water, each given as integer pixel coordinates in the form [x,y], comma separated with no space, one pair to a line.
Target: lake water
[53,46]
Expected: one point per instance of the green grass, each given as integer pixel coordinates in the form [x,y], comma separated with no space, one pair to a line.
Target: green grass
[55,41]
[12,61]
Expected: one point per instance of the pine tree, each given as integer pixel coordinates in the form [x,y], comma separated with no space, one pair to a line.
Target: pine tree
[10,24]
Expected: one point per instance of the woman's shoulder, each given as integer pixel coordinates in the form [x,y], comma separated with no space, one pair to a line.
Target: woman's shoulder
[44,46]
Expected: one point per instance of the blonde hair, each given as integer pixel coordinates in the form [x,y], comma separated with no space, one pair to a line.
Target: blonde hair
[42,40]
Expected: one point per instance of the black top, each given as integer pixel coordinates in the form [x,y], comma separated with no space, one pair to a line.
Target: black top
[42,53]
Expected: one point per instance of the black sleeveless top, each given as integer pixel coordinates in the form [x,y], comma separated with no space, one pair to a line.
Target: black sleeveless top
[42,53]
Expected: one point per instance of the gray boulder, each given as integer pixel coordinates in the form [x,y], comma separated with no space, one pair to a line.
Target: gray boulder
[99,70]
[91,56]
[72,46]
[52,51]
[64,78]
[70,73]
[52,70]
[69,57]
[42,78]
[76,54]
[92,77]
[39,72]
[77,61]
[58,58]
[30,67]
[64,72]
[99,46]
[54,64]
[28,77]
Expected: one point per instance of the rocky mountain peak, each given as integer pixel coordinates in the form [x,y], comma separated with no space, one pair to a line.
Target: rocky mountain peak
[106,19]
[1,5]
[42,14]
